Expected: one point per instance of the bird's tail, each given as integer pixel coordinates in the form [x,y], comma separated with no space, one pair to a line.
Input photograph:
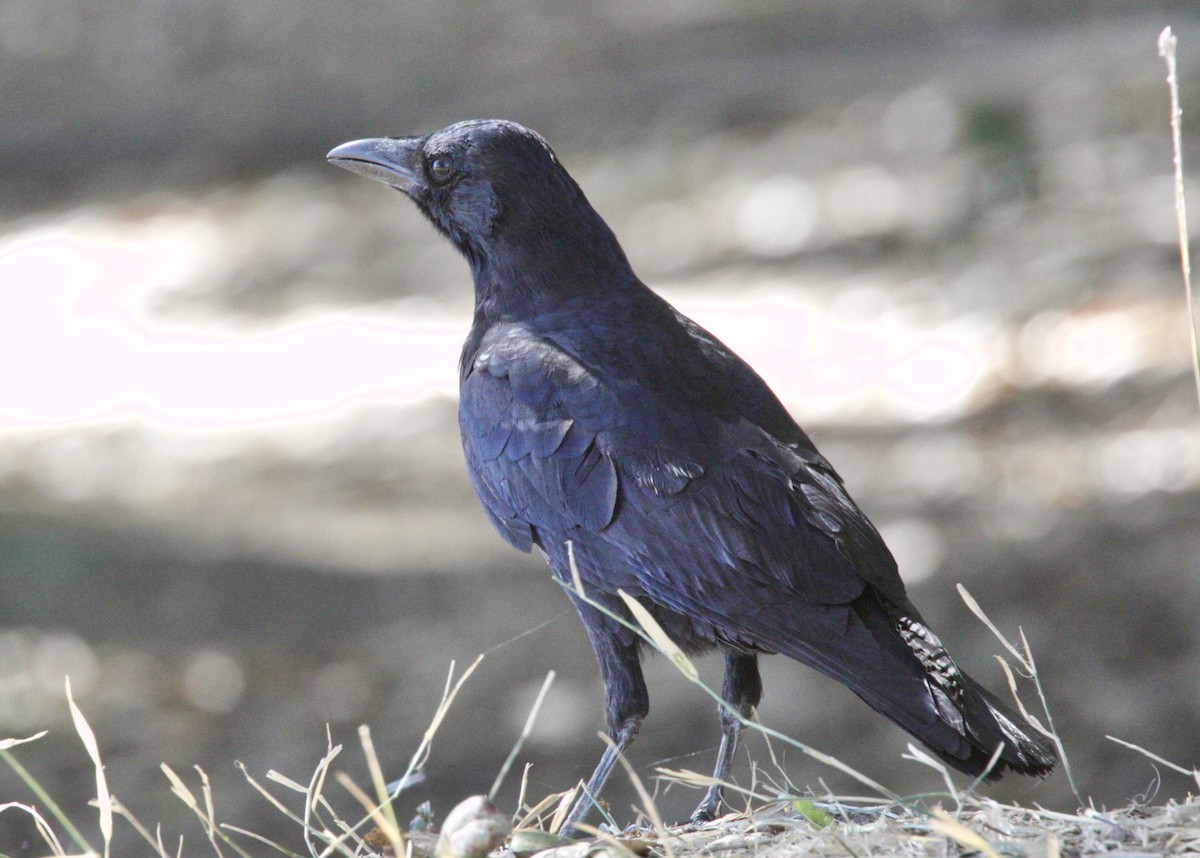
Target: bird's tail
[898,666]
[988,722]
[980,724]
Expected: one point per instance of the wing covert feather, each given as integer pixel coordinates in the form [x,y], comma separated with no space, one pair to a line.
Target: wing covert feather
[703,508]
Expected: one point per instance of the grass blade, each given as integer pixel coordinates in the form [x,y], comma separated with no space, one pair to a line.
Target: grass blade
[103,799]
[44,797]
[384,814]
[660,638]
[944,824]
[1195,773]
[525,731]
[39,822]
[1166,49]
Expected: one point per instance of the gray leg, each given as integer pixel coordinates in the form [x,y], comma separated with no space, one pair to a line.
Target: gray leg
[741,690]
[584,804]
[625,696]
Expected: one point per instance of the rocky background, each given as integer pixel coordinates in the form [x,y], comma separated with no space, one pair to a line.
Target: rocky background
[232,506]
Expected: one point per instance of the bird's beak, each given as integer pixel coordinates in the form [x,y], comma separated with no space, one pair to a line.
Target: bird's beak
[395,161]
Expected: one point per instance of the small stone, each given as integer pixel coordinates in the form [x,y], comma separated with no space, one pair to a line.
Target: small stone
[473,829]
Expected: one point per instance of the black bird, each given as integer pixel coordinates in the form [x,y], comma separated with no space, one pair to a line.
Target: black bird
[595,414]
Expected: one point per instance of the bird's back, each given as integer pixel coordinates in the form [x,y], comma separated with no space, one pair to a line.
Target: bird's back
[627,428]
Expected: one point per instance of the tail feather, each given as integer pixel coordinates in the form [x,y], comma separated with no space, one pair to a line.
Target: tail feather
[890,658]
[988,722]
[982,722]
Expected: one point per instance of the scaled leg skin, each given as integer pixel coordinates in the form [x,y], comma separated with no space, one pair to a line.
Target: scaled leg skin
[626,700]
[741,690]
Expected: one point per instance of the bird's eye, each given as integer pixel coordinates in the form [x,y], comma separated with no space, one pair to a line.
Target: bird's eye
[440,168]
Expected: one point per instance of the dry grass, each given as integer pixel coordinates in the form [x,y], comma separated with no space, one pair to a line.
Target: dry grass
[775,823]
[981,826]
[778,819]
[1166,49]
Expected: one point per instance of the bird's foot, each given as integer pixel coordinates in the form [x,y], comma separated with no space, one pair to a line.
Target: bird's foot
[570,832]
[706,811]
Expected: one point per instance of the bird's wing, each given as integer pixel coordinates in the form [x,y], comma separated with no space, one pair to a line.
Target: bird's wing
[528,417]
[687,500]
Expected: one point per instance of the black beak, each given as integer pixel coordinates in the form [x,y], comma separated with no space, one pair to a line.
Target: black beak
[396,161]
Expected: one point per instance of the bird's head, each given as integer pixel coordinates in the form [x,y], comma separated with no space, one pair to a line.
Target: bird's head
[496,190]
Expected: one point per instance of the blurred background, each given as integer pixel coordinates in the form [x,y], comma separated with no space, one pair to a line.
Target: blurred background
[232,502]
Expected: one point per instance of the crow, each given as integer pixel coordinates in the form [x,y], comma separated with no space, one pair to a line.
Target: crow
[611,432]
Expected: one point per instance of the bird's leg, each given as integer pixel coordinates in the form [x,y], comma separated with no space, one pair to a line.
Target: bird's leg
[626,699]
[741,690]
[584,804]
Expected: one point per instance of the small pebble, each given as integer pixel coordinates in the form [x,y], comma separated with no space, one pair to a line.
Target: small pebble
[473,829]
